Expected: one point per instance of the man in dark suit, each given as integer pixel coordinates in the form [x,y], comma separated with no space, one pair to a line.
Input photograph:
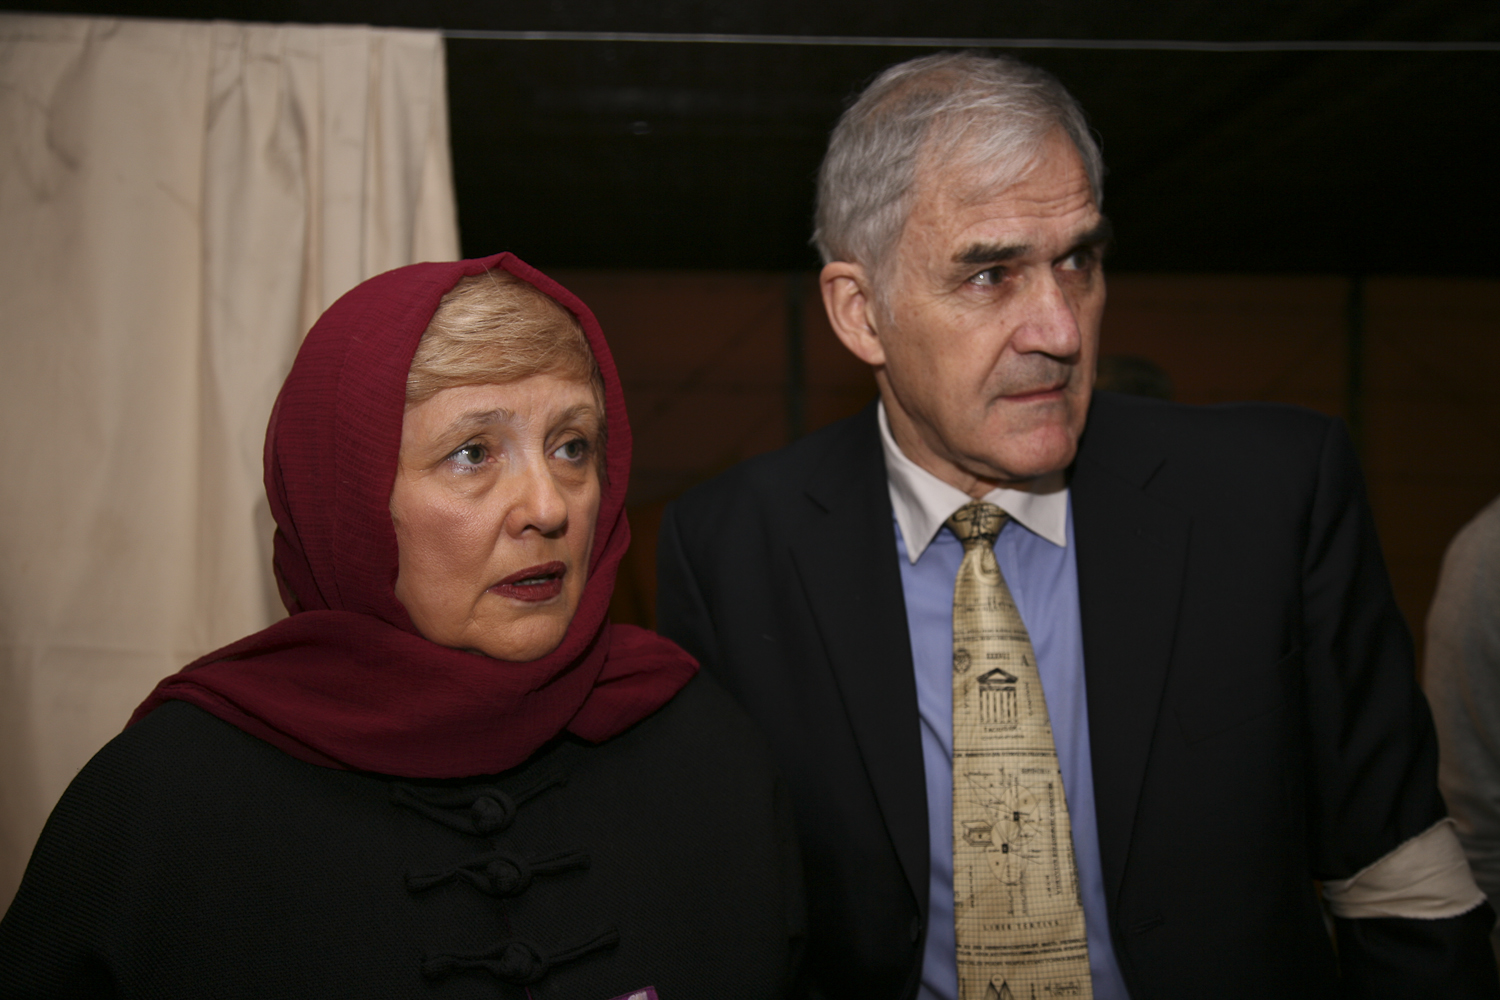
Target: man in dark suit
[1228,681]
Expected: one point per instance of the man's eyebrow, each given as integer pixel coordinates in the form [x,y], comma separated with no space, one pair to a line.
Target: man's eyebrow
[990,253]
[1100,236]
[998,253]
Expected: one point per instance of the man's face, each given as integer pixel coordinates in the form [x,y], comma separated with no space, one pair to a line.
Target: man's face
[990,325]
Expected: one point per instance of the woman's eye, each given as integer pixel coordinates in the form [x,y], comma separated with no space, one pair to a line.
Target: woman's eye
[573,450]
[469,455]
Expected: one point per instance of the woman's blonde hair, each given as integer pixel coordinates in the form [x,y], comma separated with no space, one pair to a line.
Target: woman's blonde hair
[493,329]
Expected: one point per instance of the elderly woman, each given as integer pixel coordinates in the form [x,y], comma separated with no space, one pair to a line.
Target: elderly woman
[445,774]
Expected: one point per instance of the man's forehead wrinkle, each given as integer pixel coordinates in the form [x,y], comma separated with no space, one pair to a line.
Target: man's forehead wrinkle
[955,164]
[966,184]
[1093,231]
[1013,204]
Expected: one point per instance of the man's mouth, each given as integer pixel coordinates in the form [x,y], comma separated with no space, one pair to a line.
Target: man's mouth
[1038,393]
[535,583]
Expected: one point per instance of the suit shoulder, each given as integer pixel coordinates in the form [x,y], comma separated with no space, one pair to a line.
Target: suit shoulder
[1256,417]
[776,479]
[1238,432]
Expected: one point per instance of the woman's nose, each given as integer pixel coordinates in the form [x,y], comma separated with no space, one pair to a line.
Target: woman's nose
[540,504]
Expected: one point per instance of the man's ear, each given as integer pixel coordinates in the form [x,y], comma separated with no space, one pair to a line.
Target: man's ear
[849,300]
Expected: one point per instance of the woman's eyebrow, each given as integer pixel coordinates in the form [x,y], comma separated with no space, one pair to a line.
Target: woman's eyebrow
[475,419]
[581,410]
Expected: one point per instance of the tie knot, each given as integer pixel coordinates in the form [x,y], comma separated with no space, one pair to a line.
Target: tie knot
[977,521]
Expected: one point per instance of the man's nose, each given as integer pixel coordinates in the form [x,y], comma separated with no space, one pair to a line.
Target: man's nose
[1048,321]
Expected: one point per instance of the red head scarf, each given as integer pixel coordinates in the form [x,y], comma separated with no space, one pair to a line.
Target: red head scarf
[346,681]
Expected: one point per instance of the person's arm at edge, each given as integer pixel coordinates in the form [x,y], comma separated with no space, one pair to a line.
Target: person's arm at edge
[1373,750]
[1462,679]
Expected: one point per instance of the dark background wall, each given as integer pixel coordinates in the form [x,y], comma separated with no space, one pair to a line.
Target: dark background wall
[1304,195]
[704,356]
[1330,136]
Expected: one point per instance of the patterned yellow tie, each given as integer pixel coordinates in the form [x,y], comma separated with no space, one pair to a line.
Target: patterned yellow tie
[1017,914]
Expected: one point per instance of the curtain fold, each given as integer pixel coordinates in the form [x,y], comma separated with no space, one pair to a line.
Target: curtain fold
[178,202]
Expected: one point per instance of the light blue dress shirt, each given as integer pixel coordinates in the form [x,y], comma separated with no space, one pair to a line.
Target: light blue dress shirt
[1043,579]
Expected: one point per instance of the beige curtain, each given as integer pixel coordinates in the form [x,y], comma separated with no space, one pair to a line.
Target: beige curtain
[178,202]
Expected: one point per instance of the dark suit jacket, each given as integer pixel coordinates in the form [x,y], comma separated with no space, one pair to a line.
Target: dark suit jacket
[1252,709]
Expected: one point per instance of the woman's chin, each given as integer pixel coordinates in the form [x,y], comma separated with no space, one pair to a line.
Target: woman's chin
[520,643]
[499,626]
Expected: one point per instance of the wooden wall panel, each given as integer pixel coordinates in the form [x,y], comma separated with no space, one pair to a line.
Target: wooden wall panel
[704,359]
[1229,338]
[1432,420]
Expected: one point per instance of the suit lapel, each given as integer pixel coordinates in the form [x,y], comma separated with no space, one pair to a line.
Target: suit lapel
[845,555]
[1131,556]
[1132,553]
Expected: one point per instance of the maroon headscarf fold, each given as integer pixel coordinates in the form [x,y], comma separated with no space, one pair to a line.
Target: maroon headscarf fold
[346,681]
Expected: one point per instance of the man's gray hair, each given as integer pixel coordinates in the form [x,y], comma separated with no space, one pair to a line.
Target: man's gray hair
[972,111]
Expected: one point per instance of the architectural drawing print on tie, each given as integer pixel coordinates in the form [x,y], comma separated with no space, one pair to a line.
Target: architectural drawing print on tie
[1017,911]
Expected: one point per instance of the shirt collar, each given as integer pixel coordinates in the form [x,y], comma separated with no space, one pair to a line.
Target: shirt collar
[922,501]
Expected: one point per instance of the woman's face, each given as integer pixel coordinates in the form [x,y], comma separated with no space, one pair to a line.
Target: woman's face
[497,491]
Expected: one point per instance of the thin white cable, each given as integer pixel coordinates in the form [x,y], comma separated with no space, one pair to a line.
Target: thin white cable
[1116,44]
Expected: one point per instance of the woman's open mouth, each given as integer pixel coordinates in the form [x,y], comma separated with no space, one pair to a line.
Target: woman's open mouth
[535,583]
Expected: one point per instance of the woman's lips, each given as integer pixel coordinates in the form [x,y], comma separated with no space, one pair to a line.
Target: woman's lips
[535,583]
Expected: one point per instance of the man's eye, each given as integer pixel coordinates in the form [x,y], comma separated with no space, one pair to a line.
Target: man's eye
[469,454]
[989,276]
[1078,260]
[573,450]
